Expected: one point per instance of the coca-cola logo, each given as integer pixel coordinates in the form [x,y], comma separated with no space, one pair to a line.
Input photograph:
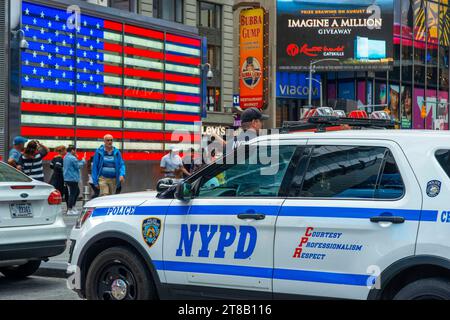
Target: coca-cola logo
[292,50]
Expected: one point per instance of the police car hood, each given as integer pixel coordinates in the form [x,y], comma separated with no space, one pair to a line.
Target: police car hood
[124,199]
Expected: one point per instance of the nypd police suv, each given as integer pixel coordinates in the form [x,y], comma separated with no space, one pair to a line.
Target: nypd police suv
[350,214]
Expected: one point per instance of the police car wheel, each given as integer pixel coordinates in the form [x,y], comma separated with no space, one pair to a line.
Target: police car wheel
[118,274]
[425,289]
[22,271]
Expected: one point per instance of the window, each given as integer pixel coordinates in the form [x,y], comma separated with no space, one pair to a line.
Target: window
[443,157]
[214,56]
[347,172]
[213,99]
[257,176]
[171,10]
[9,174]
[127,5]
[210,15]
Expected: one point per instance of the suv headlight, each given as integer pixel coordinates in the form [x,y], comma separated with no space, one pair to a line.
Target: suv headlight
[85,214]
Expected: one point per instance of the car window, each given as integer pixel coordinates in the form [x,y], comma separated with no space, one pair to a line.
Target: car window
[391,185]
[348,172]
[9,174]
[443,157]
[259,175]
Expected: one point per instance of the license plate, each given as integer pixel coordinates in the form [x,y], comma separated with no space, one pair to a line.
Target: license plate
[20,210]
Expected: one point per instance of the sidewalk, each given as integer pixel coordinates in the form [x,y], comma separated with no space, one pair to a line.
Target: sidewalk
[56,266]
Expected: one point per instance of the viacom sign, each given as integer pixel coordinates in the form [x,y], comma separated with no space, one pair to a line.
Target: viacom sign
[358,33]
[295,85]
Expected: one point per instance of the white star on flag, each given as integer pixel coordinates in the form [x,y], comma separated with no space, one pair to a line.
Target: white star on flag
[27,78]
[64,74]
[56,49]
[34,71]
[98,26]
[49,56]
[70,83]
[34,21]
[42,47]
[84,84]
[91,63]
[49,40]
[27,28]
[56,18]
[42,30]
[56,66]
[27,62]
[42,64]
[56,81]
[49,24]
[27,12]
[91,78]
[34,54]
[42,14]
[78,76]
[49,73]
[42,80]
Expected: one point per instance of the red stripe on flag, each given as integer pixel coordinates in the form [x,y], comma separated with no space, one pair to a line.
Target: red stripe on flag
[103,112]
[182,117]
[144,53]
[112,47]
[112,91]
[128,156]
[182,98]
[143,115]
[144,32]
[46,132]
[182,79]
[112,25]
[91,133]
[140,135]
[46,108]
[182,59]
[144,73]
[183,40]
[112,69]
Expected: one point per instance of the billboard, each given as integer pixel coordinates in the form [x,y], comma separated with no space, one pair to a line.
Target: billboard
[359,34]
[251,61]
[106,75]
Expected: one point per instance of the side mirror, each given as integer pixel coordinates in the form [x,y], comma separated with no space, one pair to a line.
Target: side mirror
[184,192]
[164,184]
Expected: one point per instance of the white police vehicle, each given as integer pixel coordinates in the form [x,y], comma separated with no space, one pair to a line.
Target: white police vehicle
[348,214]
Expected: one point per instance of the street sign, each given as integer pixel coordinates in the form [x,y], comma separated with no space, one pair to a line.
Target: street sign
[236,102]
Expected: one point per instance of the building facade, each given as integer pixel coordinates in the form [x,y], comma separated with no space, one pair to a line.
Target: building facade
[415,91]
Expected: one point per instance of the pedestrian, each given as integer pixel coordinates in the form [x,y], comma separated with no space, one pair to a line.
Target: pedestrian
[71,168]
[172,164]
[96,190]
[108,170]
[57,179]
[190,162]
[251,125]
[30,162]
[16,151]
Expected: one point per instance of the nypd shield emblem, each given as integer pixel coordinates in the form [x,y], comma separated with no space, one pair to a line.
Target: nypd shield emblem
[151,227]
[433,188]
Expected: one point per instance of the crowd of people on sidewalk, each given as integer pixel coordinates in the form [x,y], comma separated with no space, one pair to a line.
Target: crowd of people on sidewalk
[106,168]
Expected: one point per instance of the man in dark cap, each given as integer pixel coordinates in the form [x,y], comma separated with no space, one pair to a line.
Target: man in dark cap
[16,151]
[251,124]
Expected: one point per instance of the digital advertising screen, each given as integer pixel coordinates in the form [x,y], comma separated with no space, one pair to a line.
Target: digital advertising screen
[83,76]
[349,34]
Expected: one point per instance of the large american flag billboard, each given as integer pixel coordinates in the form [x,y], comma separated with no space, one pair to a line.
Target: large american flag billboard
[103,76]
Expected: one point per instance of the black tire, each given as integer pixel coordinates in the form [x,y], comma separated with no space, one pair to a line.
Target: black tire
[22,271]
[425,289]
[119,264]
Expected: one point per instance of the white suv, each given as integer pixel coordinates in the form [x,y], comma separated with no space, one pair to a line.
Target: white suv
[31,224]
[349,214]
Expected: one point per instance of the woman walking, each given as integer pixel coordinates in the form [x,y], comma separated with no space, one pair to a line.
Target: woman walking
[57,179]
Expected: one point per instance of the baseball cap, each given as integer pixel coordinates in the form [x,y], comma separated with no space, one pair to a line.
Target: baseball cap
[251,114]
[19,140]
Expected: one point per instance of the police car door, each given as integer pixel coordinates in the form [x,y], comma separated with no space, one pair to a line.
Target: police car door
[352,210]
[223,237]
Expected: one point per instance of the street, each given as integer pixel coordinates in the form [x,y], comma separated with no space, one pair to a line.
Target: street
[36,288]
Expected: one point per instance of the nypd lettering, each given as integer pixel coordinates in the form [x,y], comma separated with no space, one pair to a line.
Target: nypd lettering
[246,238]
[119,211]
